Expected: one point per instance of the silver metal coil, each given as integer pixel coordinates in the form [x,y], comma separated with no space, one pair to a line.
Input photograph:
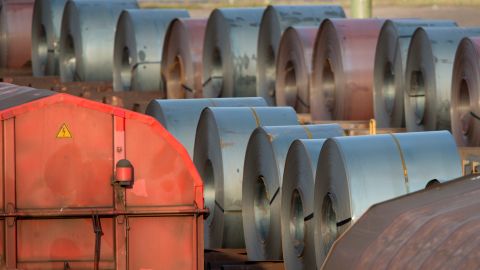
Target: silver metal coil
[180,116]
[220,146]
[137,53]
[359,171]
[297,204]
[275,20]
[390,64]
[182,65]
[262,184]
[230,52]
[87,38]
[428,76]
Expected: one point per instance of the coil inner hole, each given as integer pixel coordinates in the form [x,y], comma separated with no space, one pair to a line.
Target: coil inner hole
[291,88]
[388,88]
[216,75]
[417,95]
[261,209]
[209,188]
[270,71]
[126,69]
[464,108]
[42,49]
[328,222]
[297,223]
[177,78]
[70,57]
[328,86]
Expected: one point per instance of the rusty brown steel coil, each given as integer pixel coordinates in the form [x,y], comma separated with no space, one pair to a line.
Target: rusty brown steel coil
[428,76]
[137,52]
[294,68]
[343,62]
[262,184]
[182,64]
[390,64]
[15,33]
[435,228]
[275,20]
[180,116]
[359,171]
[297,204]
[87,38]
[47,19]
[230,53]
[465,95]
[219,153]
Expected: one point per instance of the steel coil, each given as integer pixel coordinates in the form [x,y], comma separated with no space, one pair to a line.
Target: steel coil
[428,76]
[15,33]
[47,19]
[262,184]
[297,204]
[137,53]
[294,68]
[275,20]
[230,53]
[359,171]
[87,38]
[389,72]
[465,96]
[220,146]
[182,58]
[180,116]
[342,80]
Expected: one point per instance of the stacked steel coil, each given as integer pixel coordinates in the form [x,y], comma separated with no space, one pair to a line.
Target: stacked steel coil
[435,229]
[47,19]
[180,117]
[294,68]
[342,81]
[182,65]
[230,53]
[359,171]
[465,93]
[15,33]
[390,63]
[275,20]
[429,76]
[262,184]
[87,38]
[220,146]
[297,204]
[137,53]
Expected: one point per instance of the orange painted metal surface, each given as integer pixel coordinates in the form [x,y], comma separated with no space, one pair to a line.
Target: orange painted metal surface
[15,33]
[62,204]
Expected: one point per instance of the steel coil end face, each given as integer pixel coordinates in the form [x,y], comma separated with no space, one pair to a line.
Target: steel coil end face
[220,145]
[87,38]
[182,65]
[349,181]
[274,21]
[465,97]
[138,47]
[294,68]
[297,204]
[262,184]
[428,76]
[47,19]
[390,64]
[229,55]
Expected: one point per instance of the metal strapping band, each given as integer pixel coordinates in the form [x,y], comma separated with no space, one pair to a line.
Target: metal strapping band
[309,134]
[257,119]
[404,165]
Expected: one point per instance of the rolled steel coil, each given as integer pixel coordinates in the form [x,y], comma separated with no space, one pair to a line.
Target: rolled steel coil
[262,184]
[137,53]
[428,76]
[182,64]
[390,63]
[230,53]
[297,204]
[465,96]
[342,80]
[220,146]
[15,33]
[294,68]
[180,116]
[275,20]
[359,171]
[87,38]
[47,19]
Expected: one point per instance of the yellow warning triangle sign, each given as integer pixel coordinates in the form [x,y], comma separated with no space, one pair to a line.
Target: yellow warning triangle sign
[64,133]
